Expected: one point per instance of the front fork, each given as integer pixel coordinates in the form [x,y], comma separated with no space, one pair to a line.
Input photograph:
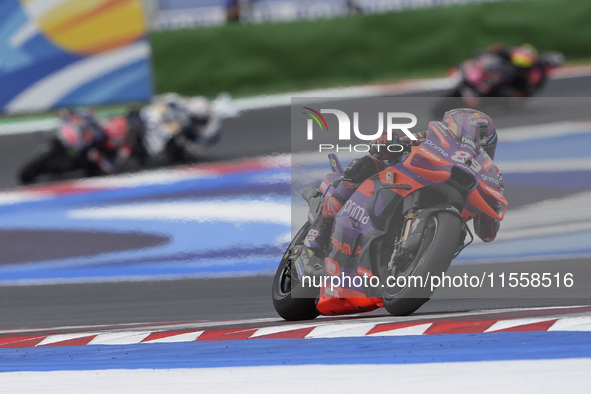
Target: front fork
[408,219]
[399,246]
[411,235]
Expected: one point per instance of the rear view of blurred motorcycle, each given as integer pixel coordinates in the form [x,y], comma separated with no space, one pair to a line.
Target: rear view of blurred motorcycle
[502,71]
[81,144]
[179,128]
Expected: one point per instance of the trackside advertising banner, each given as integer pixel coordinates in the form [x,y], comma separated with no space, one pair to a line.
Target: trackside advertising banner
[56,53]
[172,14]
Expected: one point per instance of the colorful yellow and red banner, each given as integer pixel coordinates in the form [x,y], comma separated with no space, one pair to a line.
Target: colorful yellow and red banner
[56,53]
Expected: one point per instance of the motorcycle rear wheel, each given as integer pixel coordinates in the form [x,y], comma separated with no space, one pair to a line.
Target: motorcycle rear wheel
[32,170]
[440,241]
[286,306]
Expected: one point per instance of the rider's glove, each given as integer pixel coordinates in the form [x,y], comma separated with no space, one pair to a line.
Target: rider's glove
[379,147]
[360,169]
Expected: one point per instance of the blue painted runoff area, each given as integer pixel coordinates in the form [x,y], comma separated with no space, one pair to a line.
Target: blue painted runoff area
[328,351]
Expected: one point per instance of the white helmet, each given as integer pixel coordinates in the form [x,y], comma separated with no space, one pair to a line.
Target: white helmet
[199,107]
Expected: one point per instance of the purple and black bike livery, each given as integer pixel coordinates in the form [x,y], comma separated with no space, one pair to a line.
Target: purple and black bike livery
[407,222]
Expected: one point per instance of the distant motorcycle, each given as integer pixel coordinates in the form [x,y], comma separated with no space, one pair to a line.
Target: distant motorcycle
[80,144]
[486,75]
[182,129]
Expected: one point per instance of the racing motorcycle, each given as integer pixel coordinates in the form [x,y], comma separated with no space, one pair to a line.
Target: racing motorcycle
[485,76]
[80,144]
[181,129]
[408,221]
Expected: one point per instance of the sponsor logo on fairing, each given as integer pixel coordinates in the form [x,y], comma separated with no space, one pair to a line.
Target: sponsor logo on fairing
[439,133]
[435,147]
[355,212]
[469,142]
[490,179]
[433,156]
[344,248]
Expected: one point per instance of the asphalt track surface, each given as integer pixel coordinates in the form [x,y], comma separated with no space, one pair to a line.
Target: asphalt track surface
[254,133]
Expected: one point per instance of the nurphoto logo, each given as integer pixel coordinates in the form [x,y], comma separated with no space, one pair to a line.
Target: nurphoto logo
[402,121]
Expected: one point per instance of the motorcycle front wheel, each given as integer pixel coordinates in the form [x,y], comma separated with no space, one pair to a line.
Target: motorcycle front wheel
[285,282]
[441,238]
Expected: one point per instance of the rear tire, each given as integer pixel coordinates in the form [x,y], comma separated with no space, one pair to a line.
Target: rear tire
[440,242]
[32,170]
[287,307]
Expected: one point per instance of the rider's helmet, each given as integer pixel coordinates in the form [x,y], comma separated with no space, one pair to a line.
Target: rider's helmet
[467,123]
[524,56]
[91,130]
[172,111]
[200,108]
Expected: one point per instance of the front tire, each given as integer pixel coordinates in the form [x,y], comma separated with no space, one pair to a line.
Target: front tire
[287,307]
[437,249]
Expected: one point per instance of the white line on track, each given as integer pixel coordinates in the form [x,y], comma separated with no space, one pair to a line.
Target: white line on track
[516,376]
[234,211]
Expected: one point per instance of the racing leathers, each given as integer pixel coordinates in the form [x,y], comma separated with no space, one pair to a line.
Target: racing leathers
[91,141]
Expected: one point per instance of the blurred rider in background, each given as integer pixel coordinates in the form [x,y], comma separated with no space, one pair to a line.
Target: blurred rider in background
[522,70]
[194,115]
[456,122]
[91,140]
[175,124]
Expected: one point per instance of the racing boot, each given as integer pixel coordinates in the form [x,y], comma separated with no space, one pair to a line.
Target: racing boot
[310,262]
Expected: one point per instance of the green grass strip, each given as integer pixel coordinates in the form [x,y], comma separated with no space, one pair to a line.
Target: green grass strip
[258,59]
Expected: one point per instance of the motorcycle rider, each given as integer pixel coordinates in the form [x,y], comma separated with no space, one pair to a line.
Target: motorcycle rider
[521,68]
[92,139]
[191,118]
[476,122]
